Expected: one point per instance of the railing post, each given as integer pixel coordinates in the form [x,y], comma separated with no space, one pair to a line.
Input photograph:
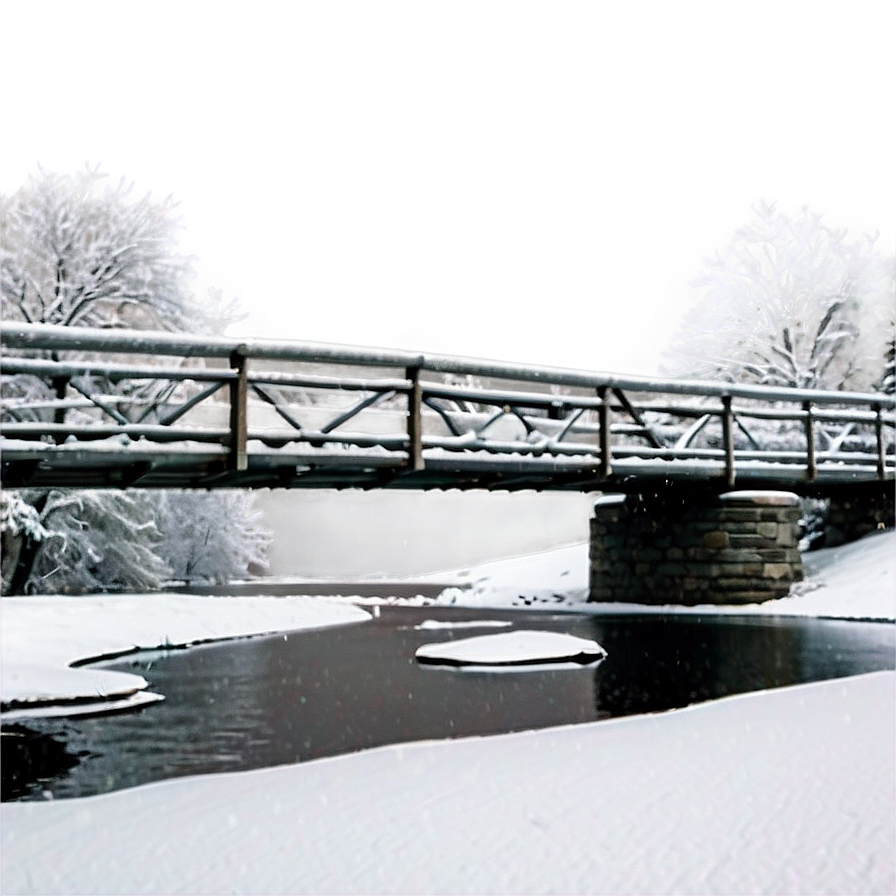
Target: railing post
[811,463]
[603,416]
[728,439]
[239,426]
[879,433]
[415,420]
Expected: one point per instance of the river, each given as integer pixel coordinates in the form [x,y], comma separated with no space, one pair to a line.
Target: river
[288,698]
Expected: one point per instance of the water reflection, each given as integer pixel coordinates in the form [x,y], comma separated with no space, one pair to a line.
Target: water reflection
[31,760]
[666,662]
[283,699]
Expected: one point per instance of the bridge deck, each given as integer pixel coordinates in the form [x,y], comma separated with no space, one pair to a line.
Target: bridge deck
[77,467]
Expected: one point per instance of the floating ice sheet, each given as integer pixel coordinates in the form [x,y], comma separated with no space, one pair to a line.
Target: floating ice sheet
[435,624]
[512,648]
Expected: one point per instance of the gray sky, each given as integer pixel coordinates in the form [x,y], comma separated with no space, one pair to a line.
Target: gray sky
[525,181]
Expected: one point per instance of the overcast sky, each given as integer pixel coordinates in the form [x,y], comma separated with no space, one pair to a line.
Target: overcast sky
[532,182]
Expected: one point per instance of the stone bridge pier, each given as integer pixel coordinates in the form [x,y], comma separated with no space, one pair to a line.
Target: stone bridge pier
[678,547]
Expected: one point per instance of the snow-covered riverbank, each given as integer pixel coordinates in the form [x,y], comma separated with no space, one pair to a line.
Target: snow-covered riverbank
[854,581]
[43,635]
[786,791]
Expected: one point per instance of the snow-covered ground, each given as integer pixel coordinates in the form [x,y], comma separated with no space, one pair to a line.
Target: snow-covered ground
[789,791]
[43,635]
[785,791]
[855,581]
[848,582]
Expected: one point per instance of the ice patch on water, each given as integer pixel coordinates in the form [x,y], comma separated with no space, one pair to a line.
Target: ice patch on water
[512,648]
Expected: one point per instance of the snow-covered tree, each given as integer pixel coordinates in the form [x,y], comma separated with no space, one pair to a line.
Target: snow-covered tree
[79,252]
[97,541]
[790,302]
[888,380]
[198,542]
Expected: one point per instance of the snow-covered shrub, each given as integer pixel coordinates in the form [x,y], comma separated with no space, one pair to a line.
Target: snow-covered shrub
[20,526]
[18,517]
[98,541]
[212,536]
[813,523]
[790,302]
[80,252]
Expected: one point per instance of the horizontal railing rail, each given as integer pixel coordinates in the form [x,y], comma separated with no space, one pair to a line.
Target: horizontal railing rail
[108,407]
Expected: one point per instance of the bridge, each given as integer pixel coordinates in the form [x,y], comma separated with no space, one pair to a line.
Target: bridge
[87,408]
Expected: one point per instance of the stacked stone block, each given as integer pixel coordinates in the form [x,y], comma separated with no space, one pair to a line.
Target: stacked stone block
[736,548]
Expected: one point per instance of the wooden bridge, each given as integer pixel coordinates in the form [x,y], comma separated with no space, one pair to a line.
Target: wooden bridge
[112,408]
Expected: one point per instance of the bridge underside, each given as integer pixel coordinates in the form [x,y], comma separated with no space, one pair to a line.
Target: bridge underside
[45,466]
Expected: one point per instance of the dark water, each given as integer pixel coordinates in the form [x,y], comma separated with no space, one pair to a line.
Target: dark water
[282,699]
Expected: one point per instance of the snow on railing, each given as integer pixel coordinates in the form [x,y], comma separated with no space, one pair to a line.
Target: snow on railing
[306,414]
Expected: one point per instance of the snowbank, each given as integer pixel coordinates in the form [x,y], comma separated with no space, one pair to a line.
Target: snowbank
[553,577]
[788,791]
[43,636]
[512,648]
[855,581]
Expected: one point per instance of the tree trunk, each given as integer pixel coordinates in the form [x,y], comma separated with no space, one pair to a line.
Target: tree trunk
[27,555]
[60,387]
[11,549]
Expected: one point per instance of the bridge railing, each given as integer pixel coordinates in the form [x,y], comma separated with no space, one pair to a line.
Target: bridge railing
[155,409]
